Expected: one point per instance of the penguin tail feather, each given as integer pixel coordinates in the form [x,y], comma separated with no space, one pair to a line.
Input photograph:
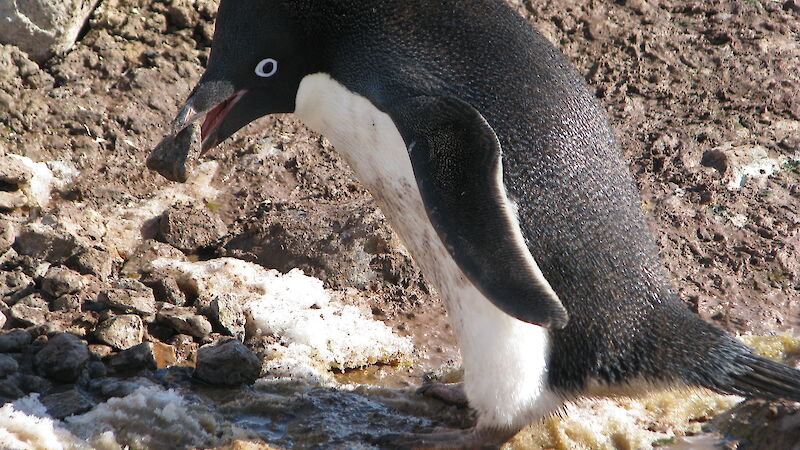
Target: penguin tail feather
[765,379]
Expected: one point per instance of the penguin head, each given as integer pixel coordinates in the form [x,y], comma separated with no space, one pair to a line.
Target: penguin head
[258,58]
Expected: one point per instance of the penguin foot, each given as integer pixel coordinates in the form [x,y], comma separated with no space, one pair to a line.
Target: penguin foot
[450,393]
[472,438]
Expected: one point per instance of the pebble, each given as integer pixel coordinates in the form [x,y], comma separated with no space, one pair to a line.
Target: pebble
[166,290]
[184,320]
[14,341]
[60,281]
[67,403]
[227,363]
[30,311]
[226,311]
[100,350]
[121,332]
[62,358]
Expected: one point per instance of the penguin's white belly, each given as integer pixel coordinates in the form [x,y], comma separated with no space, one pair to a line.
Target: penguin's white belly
[504,358]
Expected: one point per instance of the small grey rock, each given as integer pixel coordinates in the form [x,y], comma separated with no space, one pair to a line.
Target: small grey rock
[3,318]
[62,358]
[121,332]
[184,320]
[227,363]
[14,341]
[60,281]
[8,365]
[135,358]
[30,311]
[67,403]
[92,261]
[131,297]
[227,313]
[166,290]
[191,228]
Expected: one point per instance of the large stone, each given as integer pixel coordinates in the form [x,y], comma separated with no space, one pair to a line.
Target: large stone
[43,27]
[227,363]
[62,358]
[191,228]
[184,320]
[121,332]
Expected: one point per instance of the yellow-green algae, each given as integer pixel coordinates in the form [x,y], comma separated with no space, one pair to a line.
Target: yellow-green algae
[644,422]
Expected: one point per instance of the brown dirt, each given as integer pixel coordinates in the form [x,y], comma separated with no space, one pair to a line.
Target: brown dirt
[684,83]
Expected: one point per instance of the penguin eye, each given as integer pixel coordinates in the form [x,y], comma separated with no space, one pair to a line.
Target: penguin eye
[266,68]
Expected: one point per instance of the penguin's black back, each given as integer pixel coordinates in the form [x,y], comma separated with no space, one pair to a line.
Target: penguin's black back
[578,207]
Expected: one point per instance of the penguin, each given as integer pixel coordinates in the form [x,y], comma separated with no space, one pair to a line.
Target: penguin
[494,163]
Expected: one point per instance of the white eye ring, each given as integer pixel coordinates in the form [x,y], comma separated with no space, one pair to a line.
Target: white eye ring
[263,65]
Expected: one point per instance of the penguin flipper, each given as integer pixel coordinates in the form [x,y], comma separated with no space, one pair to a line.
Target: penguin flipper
[456,158]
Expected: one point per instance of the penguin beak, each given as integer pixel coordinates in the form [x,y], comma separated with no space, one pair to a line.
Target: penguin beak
[214,129]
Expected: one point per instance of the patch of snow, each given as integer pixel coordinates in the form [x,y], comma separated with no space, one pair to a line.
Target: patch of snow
[25,424]
[315,332]
[63,172]
[151,417]
[38,188]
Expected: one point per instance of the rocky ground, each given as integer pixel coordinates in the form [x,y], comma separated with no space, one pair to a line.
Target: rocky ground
[98,255]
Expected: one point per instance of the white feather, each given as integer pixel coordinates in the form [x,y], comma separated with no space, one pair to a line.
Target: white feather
[504,359]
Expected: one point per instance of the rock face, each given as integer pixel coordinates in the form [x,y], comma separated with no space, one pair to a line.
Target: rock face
[227,363]
[43,27]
